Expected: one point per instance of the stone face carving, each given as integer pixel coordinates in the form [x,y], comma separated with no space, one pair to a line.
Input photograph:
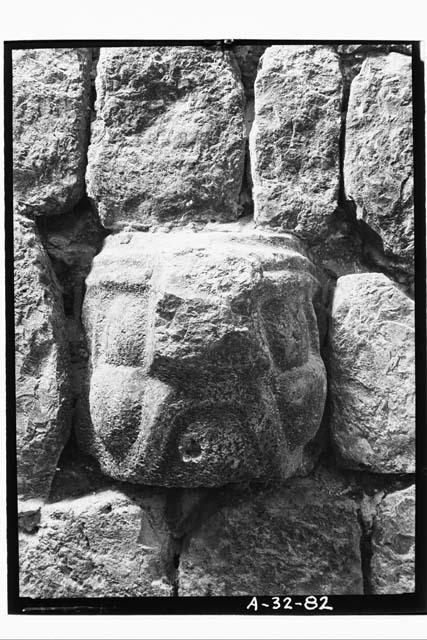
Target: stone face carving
[378,163]
[295,137]
[205,366]
[168,141]
[101,545]
[41,364]
[372,376]
[393,544]
[51,89]
[299,539]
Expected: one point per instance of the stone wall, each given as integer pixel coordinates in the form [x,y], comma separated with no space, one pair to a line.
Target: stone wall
[214,320]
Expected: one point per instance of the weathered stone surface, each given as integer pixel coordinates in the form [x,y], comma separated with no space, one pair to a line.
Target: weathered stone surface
[303,538]
[205,365]
[378,163]
[393,544]
[372,374]
[101,545]
[51,91]
[42,365]
[295,137]
[169,137]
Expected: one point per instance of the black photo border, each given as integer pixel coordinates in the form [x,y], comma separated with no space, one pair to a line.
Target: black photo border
[413,603]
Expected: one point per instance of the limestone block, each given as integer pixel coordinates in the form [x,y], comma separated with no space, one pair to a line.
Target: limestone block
[378,162]
[42,365]
[169,136]
[372,374]
[100,545]
[294,140]
[393,544]
[51,91]
[303,538]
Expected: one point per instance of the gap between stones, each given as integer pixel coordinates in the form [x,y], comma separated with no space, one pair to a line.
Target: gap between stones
[365,553]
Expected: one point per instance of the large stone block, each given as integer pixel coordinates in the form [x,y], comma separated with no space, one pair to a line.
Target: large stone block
[372,374]
[294,140]
[42,364]
[101,545]
[51,91]
[393,544]
[378,163]
[300,539]
[169,136]
[205,365]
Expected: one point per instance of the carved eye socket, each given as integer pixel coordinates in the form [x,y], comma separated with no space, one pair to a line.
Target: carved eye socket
[123,341]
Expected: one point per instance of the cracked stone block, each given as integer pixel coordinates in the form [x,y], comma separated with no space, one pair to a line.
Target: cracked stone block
[299,539]
[204,357]
[102,545]
[51,92]
[168,142]
[372,374]
[294,140]
[41,367]
[378,162]
[393,544]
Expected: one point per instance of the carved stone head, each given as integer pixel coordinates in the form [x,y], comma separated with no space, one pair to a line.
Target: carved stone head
[204,358]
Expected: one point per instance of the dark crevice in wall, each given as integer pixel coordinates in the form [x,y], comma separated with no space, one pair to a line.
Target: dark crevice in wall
[365,553]
[95,57]
[246,59]
[347,72]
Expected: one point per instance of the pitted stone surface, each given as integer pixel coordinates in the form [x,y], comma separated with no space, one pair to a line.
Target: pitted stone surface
[378,162]
[205,365]
[303,538]
[42,365]
[51,90]
[393,544]
[101,545]
[168,141]
[372,374]
[295,137]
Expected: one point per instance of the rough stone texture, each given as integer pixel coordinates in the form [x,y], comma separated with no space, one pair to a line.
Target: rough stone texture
[205,365]
[295,137]
[372,374]
[101,545]
[51,91]
[303,538]
[169,137]
[393,544]
[41,365]
[378,171]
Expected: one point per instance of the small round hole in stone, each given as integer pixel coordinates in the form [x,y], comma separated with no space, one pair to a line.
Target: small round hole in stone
[191,451]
